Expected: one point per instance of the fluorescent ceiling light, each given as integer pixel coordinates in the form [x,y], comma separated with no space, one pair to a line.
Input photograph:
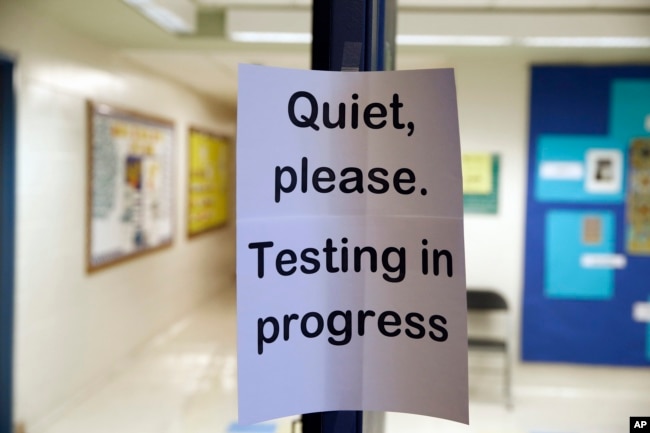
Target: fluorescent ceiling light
[587,42]
[454,41]
[271,37]
[175,16]
[459,40]
[305,38]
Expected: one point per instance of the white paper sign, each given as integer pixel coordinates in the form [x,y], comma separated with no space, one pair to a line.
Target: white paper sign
[603,261]
[350,254]
[641,312]
[561,170]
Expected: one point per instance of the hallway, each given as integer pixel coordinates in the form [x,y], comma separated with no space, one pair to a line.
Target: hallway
[184,380]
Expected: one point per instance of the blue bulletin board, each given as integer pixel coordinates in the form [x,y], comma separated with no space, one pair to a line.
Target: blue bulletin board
[587,260]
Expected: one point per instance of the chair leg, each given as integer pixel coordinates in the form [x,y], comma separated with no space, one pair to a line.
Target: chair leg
[507,382]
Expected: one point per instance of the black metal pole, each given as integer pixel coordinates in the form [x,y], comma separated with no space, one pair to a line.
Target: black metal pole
[7,212]
[349,35]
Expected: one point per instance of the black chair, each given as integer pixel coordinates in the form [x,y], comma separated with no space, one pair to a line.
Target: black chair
[487,302]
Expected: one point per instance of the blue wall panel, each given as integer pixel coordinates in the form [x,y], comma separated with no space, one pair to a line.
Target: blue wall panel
[572,313]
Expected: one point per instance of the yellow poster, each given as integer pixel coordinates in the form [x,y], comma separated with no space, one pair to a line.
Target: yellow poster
[208,182]
[477,173]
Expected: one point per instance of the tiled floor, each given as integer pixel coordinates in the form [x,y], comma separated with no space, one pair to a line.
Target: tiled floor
[184,381]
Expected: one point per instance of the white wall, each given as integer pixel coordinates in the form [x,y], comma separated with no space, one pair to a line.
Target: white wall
[493,116]
[73,328]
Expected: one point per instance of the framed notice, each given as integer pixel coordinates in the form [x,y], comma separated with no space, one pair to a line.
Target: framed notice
[480,183]
[130,166]
[208,182]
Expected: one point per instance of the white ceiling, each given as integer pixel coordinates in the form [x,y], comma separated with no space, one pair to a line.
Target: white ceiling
[208,63]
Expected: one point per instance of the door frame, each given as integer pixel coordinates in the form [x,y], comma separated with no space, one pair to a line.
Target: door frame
[7,238]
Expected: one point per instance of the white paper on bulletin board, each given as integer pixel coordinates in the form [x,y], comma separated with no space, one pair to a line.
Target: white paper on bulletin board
[130,184]
[350,253]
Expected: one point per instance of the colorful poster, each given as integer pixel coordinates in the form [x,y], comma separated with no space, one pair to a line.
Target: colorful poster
[208,182]
[130,185]
[638,200]
[350,256]
[480,183]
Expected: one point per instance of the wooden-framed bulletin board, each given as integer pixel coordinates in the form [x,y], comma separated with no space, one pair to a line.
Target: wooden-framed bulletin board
[130,184]
[207,206]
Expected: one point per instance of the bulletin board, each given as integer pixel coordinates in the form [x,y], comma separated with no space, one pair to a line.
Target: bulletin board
[208,182]
[130,184]
[587,257]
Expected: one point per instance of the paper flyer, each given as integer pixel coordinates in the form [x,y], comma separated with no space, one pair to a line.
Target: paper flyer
[351,287]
